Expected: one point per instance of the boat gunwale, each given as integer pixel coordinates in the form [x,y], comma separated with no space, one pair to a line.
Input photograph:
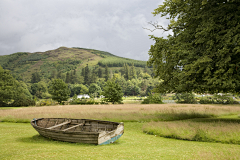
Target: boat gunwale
[71,132]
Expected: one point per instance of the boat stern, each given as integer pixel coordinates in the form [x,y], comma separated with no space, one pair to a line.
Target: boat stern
[110,137]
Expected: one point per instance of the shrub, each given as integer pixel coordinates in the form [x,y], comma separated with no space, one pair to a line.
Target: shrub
[185,98]
[81,101]
[23,101]
[46,102]
[3,104]
[153,99]
[218,99]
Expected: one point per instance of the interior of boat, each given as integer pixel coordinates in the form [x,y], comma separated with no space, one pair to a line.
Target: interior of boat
[76,125]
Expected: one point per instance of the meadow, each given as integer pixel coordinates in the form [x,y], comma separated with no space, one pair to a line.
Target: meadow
[146,129]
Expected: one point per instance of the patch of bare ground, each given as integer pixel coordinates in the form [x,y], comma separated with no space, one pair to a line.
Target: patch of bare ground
[124,112]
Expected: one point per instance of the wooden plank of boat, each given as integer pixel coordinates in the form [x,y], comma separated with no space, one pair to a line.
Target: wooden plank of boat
[92,131]
[59,125]
[73,127]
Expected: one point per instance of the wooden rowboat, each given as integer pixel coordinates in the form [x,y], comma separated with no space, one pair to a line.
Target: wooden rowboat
[79,130]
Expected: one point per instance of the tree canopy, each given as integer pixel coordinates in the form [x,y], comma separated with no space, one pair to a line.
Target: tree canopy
[203,54]
[112,92]
[8,86]
[59,90]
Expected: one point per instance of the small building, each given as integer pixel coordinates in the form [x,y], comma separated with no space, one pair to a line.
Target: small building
[83,96]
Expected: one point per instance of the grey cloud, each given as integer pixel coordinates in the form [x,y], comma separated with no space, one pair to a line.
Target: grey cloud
[108,25]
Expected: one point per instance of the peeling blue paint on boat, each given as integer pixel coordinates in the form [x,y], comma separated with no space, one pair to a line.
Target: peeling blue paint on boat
[111,140]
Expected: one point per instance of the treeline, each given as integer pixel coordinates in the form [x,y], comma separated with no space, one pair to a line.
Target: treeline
[32,57]
[119,62]
[89,80]
[7,61]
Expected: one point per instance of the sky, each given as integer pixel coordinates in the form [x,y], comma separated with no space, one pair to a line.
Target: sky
[115,26]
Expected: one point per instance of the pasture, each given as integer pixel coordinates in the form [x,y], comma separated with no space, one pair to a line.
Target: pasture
[21,141]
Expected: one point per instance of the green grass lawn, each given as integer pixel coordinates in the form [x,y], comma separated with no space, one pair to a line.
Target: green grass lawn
[21,141]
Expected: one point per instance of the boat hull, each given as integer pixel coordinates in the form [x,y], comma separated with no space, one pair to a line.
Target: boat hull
[87,131]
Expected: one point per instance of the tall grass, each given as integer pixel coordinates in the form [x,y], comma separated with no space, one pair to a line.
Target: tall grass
[125,113]
[219,131]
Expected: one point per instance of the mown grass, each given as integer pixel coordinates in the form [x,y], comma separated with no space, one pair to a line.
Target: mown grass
[20,141]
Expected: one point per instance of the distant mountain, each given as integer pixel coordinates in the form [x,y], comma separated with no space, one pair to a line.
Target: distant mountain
[63,59]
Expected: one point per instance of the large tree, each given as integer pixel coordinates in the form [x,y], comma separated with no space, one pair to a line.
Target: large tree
[8,86]
[35,77]
[112,92]
[38,89]
[12,92]
[203,54]
[59,90]
[95,89]
[78,89]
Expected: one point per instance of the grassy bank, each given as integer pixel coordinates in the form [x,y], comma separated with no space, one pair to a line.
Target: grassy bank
[218,131]
[20,141]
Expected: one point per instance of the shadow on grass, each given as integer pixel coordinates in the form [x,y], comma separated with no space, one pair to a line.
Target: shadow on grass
[43,140]
[226,120]
[181,116]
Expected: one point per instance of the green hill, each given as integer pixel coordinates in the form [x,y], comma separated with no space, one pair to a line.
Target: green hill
[63,59]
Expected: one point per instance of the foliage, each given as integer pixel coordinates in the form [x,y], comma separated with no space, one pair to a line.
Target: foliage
[35,77]
[202,55]
[119,62]
[8,86]
[218,99]
[32,57]
[132,90]
[55,64]
[155,98]
[112,92]
[38,89]
[82,101]
[106,73]
[95,89]
[59,90]
[22,100]
[46,102]
[12,92]
[77,89]
[185,98]
[7,61]
[24,89]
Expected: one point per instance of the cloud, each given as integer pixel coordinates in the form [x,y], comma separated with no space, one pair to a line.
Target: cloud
[108,25]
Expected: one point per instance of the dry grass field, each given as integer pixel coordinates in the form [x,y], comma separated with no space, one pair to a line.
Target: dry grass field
[125,112]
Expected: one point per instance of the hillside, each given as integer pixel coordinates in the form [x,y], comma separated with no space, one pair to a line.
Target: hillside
[63,59]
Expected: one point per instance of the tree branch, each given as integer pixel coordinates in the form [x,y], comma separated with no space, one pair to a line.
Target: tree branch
[156,26]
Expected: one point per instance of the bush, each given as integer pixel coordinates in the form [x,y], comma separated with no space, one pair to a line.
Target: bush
[153,99]
[218,99]
[2,104]
[81,101]
[188,98]
[23,101]
[46,102]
